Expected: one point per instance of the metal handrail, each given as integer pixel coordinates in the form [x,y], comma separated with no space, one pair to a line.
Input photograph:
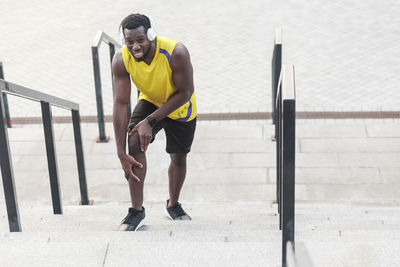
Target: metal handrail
[276,67]
[98,39]
[286,141]
[7,111]
[5,156]
[25,92]
[104,37]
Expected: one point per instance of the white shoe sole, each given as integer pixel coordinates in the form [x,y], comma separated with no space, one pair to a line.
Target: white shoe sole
[167,214]
[123,227]
[169,217]
[140,224]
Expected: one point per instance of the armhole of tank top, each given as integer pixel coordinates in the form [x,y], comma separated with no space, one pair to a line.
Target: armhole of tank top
[173,48]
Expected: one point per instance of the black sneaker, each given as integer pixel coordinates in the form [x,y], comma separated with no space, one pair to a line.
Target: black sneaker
[133,221]
[176,212]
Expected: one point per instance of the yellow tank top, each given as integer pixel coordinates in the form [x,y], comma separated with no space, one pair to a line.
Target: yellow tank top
[154,81]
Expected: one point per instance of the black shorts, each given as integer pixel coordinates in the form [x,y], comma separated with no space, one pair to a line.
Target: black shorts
[179,134]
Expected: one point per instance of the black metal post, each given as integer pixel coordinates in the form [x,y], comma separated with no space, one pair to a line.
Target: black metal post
[51,157]
[278,127]
[79,157]
[276,70]
[7,174]
[5,100]
[288,173]
[99,97]
[288,149]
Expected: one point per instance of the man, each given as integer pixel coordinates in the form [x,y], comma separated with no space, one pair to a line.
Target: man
[162,72]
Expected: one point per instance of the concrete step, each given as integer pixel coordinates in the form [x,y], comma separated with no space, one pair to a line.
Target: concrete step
[133,252]
[105,217]
[207,216]
[356,248]
[152,234]
[149,248]
[347,217]
[234,234]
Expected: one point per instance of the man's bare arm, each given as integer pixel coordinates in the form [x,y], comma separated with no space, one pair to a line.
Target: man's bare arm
[122,91]
[182,77]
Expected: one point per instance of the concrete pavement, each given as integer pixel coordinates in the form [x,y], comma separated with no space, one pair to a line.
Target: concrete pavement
[345,52]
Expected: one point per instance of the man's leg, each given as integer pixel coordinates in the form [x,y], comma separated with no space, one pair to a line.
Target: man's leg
[179,137]
[142,109]
[135,187]
[177,174]
[136,215]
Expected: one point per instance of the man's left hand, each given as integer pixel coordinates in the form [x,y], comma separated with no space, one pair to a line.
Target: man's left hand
[145,132]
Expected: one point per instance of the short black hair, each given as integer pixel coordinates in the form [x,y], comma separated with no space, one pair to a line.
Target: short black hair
[134,21]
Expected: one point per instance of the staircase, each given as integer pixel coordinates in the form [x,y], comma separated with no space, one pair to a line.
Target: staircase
[229,192]
[236,234]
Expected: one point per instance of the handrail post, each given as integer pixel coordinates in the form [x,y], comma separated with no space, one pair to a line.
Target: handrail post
[7,174]
[99,97]
[276,70]
[79,157]
[288,172]
[279,156]
[51,157]
[288,156]
[5,100]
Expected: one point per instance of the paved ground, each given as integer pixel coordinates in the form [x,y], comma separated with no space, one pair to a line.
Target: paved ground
[345,52]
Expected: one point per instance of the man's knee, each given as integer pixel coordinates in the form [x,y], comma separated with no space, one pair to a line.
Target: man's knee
[134,144]
[178,159]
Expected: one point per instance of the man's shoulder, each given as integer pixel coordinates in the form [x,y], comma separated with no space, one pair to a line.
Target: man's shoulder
[180,50]
[167,44]
[118,55]
[118,64]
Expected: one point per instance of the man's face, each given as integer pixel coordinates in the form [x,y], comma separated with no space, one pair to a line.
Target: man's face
[137,42]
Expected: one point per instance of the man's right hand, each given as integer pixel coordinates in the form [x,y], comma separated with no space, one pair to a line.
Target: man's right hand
[128,162]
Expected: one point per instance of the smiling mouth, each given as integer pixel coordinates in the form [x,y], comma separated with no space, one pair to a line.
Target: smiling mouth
[138,55]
